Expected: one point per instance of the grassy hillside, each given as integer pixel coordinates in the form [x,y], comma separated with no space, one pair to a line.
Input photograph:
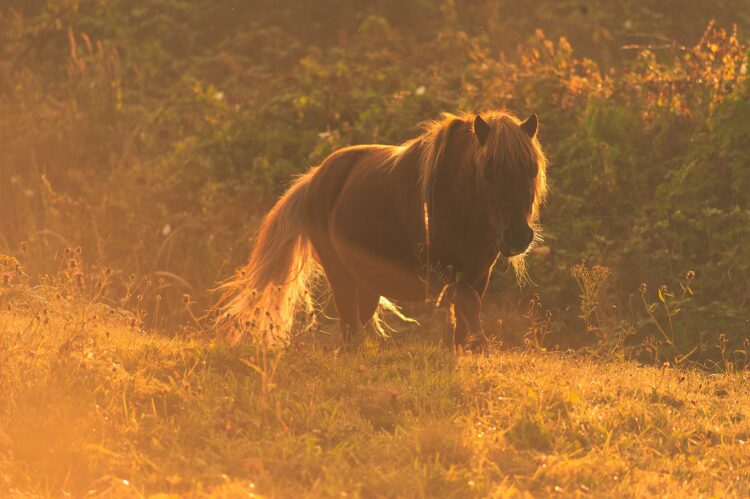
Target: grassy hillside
[91,404]
[155,135]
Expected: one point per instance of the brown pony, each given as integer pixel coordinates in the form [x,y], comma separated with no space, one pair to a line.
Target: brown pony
[430,216]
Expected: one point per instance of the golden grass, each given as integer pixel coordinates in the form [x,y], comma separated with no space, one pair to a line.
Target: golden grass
[91,405]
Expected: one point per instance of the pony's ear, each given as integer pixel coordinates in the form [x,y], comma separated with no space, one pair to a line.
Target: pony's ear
[481,129]
[530,126]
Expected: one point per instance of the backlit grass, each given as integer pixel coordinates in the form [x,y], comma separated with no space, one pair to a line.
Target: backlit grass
[91,405]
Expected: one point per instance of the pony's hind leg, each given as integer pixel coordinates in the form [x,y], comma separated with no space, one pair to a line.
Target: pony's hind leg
[345,296]
[343,285]
[367,305]
[347,304]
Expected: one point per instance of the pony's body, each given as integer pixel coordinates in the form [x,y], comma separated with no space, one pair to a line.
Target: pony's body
[391,221]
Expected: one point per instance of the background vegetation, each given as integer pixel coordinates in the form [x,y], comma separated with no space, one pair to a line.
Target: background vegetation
[142,142]
[156,134]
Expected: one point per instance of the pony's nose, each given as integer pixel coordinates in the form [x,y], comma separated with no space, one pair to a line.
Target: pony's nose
[517,240]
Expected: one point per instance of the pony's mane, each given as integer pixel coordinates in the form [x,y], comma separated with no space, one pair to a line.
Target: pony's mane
[507,144]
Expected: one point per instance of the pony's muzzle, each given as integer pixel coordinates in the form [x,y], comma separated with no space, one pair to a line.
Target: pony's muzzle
[516,240]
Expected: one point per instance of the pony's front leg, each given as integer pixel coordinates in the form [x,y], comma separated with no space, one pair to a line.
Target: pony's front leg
[465,314]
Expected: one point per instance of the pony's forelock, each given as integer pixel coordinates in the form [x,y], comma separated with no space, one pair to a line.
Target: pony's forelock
[507,145]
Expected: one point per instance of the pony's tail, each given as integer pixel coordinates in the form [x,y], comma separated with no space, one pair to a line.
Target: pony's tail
[262,298]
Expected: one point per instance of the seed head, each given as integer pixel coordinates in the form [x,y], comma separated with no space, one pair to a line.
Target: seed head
[186,299]
[643,288]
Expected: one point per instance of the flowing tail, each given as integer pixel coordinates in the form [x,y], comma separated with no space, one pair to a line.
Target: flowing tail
[263,297]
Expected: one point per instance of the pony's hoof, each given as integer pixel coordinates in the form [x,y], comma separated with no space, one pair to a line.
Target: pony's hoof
[478,343]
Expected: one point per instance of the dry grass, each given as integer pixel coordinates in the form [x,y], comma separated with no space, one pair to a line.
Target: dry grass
[90,405]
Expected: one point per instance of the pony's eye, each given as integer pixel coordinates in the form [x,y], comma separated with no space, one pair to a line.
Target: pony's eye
[534,170]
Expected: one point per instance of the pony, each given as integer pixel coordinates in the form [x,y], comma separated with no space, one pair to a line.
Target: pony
[426,218]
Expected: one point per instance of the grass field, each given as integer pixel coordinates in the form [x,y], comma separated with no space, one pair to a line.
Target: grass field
[90,405]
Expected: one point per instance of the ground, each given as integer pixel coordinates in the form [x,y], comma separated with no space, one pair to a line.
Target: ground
[92,405]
